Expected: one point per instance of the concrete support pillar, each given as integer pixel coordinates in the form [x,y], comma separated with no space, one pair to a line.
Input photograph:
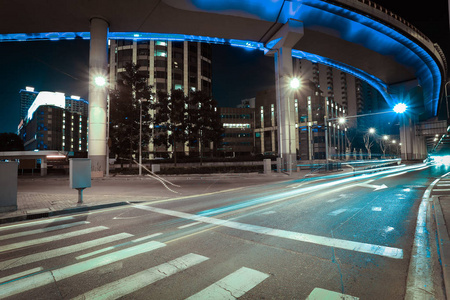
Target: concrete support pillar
[285,107]
[98,62]
[407,135]
[44,166]
[280,45]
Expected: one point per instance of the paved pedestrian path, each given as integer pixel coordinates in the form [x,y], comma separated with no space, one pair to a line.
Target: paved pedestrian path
[47,196]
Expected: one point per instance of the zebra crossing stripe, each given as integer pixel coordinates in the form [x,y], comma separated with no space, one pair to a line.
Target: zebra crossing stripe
[34,223]
[21,274]
[15,262]
[140,280]
[28,283]
[42,230]
[116,246]
[50,238]
[232,286]
[320,294]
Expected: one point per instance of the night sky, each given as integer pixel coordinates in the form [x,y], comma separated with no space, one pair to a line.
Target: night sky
[237,73]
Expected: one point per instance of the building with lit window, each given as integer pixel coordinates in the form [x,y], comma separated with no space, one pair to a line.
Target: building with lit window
[168,65]
[56,122]
[239,125]
[324,91]
[27,97]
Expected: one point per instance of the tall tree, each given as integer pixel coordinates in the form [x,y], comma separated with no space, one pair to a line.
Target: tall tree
[171,120]
[130,97]
[10,142]
[204,122]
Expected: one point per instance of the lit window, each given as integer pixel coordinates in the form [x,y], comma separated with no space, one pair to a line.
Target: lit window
[161,53]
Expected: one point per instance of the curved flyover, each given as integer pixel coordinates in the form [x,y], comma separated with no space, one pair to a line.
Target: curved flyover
[357,36]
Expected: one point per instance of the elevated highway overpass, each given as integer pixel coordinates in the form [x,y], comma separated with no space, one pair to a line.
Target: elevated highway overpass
[357,36]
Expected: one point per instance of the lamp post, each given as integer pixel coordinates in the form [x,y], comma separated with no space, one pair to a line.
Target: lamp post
[399,108]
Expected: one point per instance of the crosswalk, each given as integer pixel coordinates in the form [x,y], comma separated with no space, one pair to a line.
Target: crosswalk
[21,274]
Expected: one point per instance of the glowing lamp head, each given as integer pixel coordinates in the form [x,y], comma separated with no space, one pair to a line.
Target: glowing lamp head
[341,120]
[400,108]
[100,80]
[295,83]
[372,130]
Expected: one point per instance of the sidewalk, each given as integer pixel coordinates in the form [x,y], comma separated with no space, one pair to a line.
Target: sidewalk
[39,197]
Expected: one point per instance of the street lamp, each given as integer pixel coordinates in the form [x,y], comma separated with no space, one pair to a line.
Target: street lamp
[400,108]
[100,80]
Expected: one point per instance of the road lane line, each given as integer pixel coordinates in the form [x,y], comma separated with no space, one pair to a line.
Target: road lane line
[28,283]
[15,262]
[441,190]
[50,238]
[337,212]
[21,274]
[189,225]
[232,286]
[116,246]
[34,223]
[41,230]
[297,236]
[140,280]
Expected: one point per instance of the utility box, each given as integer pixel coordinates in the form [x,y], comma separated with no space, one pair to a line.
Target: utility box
[8,186]
[80,175]
[156,168]
[267,166]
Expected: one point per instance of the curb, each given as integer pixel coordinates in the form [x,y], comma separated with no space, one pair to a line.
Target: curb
[443,243]
[66,211]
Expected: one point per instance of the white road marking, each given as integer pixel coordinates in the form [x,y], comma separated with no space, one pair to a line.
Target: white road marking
[393,175]
[42,230]
[15,262]
[140,280]
[50,238]
[388,229]
[41,279]
[443,184]
[441,190]
[372,186]
[34,223]
[419,284]
[320,294]
[21,274]
[189,225]
[375,208]
[297,236]
[147,237]
[232,286]
[337,212]
[269,212]
[116,246]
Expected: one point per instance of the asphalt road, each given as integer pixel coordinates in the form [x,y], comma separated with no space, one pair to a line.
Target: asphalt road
[285,240]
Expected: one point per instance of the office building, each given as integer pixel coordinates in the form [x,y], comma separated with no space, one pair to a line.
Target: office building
[55,122]
[27,97]
[168,65]
[239,126]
